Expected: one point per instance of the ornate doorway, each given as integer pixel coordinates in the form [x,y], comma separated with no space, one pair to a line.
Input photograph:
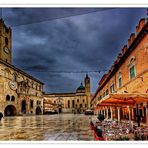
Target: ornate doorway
[10,110]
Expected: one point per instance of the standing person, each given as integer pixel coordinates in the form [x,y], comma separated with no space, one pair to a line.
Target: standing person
[1,116]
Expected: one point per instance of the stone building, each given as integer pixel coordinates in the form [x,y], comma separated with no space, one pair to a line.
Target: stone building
[76,102]
[127,78]
[20,93]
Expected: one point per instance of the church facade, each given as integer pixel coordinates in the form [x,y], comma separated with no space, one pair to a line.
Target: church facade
[76,102]
[20,93]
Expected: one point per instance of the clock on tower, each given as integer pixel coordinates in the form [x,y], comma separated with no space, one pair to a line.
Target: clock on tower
[5,42]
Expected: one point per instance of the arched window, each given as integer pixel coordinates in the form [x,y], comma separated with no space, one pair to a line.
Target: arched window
[12,98]
[106,93]
[132,69]
[119,79]
[132,72]
[7,98]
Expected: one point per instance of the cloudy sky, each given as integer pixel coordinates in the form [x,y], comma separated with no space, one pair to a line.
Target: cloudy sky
[59,45]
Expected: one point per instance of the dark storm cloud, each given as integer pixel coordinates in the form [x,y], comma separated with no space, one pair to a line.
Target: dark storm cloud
[42,14]
[80,43]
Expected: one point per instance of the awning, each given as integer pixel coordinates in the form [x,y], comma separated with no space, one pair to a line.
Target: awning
[124,99]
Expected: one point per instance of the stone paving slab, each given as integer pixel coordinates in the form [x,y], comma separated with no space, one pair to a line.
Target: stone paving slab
[61,127]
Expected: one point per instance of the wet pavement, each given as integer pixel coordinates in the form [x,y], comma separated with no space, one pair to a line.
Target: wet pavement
[61,127]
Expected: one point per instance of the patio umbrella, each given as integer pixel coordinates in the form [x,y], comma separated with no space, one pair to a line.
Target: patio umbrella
[124,99]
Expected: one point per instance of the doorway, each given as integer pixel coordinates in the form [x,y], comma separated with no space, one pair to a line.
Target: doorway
[10,110]
[23,110]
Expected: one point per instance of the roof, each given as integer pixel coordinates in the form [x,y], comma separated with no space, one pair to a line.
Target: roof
[20,71]
[59,94]
[81,87]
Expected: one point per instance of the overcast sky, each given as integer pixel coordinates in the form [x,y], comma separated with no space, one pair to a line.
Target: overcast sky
[42,43]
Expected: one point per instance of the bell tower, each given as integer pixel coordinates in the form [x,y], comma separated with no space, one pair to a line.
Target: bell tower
[87,89]
[87,84]
[5,42]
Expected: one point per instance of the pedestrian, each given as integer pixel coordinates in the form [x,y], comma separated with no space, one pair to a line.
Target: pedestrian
[1,116]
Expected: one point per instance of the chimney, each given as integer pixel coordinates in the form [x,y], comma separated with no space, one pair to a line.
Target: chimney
[140,26]
[131,39]
[115,62]
[124,49]
[119,57]
[129,42]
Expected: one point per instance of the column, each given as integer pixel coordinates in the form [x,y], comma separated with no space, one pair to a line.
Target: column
[118,109]
[147,116]
[146,113]
[101,111]
[111,110]
[129,110]
[104,112]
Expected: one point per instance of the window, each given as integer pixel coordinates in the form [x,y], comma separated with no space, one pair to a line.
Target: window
[78,100]
[80,105]
[132,72]
[83,100]
[85,105]
[120,82]
[12,98]
[73,103]
[103,94]
[54,101]
[68,104]
[7,98]
[106,92]
[112,88]
[6,41]
[119,79]
[31,103]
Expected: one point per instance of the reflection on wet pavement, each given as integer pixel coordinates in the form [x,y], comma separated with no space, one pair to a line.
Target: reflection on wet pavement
[47,127]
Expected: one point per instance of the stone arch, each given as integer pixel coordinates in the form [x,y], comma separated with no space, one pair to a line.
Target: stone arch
[10,110]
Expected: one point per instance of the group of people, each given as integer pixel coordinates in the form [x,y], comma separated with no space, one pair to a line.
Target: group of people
[98,133]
